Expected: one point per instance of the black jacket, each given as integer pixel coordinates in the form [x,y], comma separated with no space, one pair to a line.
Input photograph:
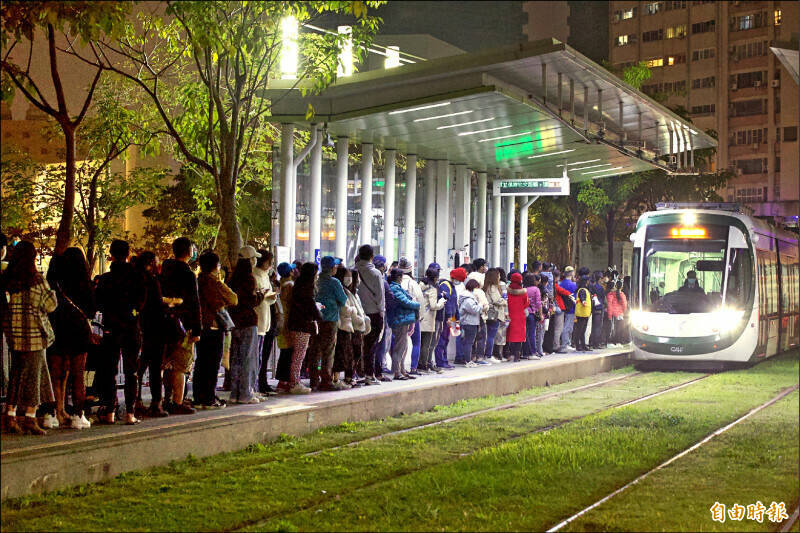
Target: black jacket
[304,312]
[120,296]
[178,281]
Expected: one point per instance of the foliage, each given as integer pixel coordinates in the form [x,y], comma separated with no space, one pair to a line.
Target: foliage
[205,68]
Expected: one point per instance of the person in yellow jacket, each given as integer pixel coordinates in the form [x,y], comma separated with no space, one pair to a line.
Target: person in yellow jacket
[583,310]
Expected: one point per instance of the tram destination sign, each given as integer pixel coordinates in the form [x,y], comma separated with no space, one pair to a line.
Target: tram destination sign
[531,187]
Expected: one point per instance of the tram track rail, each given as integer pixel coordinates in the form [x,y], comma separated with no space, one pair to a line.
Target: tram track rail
[785,392]
[544,429]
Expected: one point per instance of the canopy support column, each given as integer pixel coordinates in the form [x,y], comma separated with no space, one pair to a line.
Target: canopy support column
[411,209]
[480,243]
[523,230]
[315,209]
[497,217]
[585,109]
[430,212]
[366,193]
[462,207]
[287,187]
[342,148]
[509,216]
[444,217]
[388,206]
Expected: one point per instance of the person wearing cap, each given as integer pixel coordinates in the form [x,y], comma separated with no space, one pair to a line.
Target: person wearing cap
[372,296]
[178,281]
[331,295]
[569,307]
[410,285]
[448,291]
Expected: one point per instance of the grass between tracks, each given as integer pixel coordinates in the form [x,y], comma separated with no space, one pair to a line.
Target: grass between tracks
[276,479]
[753,461]
[534,482]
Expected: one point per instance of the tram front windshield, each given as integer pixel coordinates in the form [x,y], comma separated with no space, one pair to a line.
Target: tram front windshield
[683,269]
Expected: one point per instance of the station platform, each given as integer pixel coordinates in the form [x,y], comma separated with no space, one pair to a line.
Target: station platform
[63,458]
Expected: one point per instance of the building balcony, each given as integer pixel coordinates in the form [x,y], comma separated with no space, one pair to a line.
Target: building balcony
[742,35]
[748,120]
[743,150]
[748,92]
[747,63]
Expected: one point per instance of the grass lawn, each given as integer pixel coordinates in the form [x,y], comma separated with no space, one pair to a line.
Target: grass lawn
[534,482]
[276,479]
[753,461]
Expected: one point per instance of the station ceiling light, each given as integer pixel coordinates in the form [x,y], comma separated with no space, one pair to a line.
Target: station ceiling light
[600,171]
[552,153]
[465,123]
[442,116]
[483,131]
[505,136]
[579,163]
[419,108]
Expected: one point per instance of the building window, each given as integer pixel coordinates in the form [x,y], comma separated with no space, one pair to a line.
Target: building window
[704,83]
[790,134]
[655,62]
[676,32]
[749,195]
[778,17]
[746,137]
[745,80]
[676,59]
[675,4]
[751,49]
[748,22]
[705,109]
[744,108]
[751,166]
[703,27]
[703,53]
[675,86]
[624,40]
[624,14]
[653,7]
[655,35]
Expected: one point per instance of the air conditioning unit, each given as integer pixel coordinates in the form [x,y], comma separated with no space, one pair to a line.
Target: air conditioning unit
[739,172]
[756,146]
[756,83]
[775,83]
[734,87]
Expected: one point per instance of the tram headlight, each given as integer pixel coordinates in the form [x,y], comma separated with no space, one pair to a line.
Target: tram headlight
[725,320]
[639,320]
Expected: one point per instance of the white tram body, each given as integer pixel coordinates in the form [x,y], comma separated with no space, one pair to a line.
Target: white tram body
[711,287]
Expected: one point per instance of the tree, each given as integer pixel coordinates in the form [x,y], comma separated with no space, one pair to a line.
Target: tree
[205,67]
[77,21]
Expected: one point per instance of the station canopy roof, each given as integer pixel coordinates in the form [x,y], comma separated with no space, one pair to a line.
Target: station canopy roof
[790,60]
[489,110]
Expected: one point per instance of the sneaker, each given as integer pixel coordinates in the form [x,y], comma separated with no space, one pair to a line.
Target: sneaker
[470,364]
[340,385]
[482,362]
[75,422]
[50,422]
[494,360]
[253,400]
[369,380]
[181,409]
[409,376]
[156,411]
[448,367]
[415,372]
[214,405]
[385,379]
[437,370]
[423,371]
[461,363]
[299,389]
[85,422]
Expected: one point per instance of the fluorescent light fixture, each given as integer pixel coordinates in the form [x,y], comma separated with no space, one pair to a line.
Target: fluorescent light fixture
[420,108]
[289,48]
[392,57]
[591,166]
[345,64]
[580,162]
[505,136]
[551,153]
[599,171]
[483,131]
[465,123]
[442,116]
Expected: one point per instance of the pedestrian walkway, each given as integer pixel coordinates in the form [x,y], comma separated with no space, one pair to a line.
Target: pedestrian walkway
[70,457]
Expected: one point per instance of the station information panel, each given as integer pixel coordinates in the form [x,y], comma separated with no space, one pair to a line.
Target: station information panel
[531,187]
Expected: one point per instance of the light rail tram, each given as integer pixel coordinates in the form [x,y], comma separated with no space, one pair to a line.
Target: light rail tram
[711,288]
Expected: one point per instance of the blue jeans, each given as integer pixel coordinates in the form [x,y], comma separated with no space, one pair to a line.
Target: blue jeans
[566,333]
[244,343]
[465,343]
[441,346]
[491,332]
[416,341]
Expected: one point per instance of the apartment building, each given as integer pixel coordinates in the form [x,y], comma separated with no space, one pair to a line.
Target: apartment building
[714,60]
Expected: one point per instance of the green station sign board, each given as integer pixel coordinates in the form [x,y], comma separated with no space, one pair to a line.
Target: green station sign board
[531,187]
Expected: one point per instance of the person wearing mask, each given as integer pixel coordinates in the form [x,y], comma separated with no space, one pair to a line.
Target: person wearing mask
[617,307]
[432,304]
[244,336]
[583,310]
[569,307]
[331,296]
[597,340]
[179,285]
[373,299]
[288,273]
[535,304]
[411,286]
[351,315]
[304,320]
[517,303]
[542,323]
[29,334]
[262,272]
[448,289]
[361,327]
[68,275]
[496,314]
[691,284]
[402,314]
[479,269]
[152,321]
[120,297]
[470,312]
[215,296]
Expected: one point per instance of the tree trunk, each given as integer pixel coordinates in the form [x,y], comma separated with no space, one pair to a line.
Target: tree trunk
[64,233]
[231,241]
[611,226]
[575,255]
[91,224]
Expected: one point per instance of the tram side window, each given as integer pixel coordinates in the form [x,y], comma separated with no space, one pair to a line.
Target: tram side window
[740,278]
[634,303]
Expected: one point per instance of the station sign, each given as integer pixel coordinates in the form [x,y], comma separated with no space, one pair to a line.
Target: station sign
[531,187]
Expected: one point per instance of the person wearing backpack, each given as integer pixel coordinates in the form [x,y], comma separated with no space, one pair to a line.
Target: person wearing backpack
[401,314]
[427,323]
[448,315]
[583,310]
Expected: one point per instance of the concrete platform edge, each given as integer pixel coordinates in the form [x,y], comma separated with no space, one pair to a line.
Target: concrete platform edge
[42,471]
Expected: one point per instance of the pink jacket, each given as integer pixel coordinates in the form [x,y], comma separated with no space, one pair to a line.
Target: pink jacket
[617,304]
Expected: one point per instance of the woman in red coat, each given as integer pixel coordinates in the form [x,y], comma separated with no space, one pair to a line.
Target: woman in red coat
[517,303]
